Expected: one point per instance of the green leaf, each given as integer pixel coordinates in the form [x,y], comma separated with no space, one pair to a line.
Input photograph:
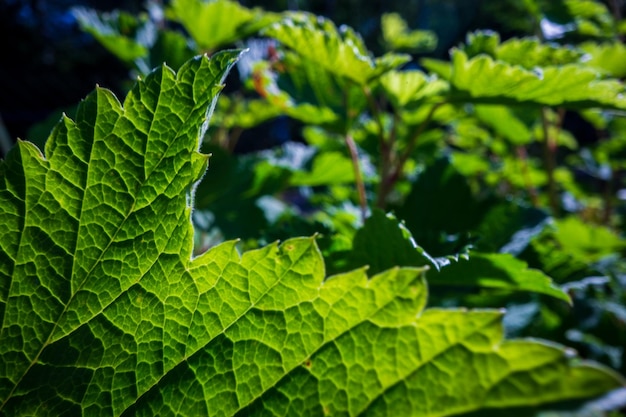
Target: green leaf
[610,58]
[431,210]
[217,23]
[171,48]
[397,36]
[328,168]
[509,227]
[483,79]
[123,34]
[340,52]
[525,52]
[406,88]
[497,270]
[104,312]
[484,270]
[397,247]
[504,122]
[108,207]
[266,85]
[585,241]
[244,113]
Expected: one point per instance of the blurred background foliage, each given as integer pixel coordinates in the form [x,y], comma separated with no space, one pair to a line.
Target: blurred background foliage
[424,155]
[49,63]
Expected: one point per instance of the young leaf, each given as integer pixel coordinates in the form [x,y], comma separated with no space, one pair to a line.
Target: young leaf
[104,311]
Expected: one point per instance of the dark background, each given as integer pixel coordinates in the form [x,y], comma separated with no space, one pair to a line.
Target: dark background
[47,64]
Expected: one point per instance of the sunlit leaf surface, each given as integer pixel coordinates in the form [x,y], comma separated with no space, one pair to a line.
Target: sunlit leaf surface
[104,312]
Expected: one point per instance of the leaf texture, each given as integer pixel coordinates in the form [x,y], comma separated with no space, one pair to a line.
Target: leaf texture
[104,311]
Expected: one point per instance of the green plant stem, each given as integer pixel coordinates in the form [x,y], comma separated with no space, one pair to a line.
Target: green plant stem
[388,181]
[387,159]
[376,113]
[385,145]
[354,156]
[358,177]
[549,155]
[532,192]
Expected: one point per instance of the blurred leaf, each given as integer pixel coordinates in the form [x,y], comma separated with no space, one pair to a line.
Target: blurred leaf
[126,36]
[172,48]
[604,406]
[244,113]
[504,122]
[218,23]
[398,36]
[431,210]
[610,58]
[442,68]
[496,270]
[587,242]
[406,88]
[378,254]
[590,18]
[307,82]
[340,52]
[328,168]
[558,258]
[483,79]
[525,52]
[230,191]
[509,227]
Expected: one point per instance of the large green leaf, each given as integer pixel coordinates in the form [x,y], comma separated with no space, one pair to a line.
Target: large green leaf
[105,312]
[341,52]
[486,80]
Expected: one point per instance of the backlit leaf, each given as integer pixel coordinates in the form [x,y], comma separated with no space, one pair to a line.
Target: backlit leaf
[484,79]
[339,51]
[217,23]
[104,311]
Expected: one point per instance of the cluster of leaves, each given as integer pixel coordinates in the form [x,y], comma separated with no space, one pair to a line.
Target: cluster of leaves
[113,302]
